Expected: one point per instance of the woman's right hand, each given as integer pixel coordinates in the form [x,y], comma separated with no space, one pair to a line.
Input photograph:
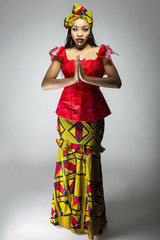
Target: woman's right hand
[76,72]
[50,80]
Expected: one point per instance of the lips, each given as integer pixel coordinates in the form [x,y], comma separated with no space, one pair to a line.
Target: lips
[79,40]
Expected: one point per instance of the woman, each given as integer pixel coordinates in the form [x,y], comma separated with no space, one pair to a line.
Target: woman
[78,196]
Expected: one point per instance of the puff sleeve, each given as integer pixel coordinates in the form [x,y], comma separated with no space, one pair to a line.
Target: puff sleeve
[106,51]
[58,52]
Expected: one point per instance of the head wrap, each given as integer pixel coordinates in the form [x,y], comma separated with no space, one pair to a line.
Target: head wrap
[78,11]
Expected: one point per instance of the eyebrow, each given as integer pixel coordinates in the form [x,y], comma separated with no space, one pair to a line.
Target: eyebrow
[82,26]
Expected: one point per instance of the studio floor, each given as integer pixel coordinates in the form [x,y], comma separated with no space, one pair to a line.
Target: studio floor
[26,192]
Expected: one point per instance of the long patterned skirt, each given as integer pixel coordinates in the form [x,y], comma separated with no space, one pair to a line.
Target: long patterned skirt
[78,196]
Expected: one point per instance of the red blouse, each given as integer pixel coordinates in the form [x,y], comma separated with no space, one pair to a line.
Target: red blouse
[82,101]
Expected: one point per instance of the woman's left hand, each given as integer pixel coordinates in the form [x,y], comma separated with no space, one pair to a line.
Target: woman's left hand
[82,74]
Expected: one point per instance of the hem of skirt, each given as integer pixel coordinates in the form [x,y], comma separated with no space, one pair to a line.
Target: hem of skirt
[90,233]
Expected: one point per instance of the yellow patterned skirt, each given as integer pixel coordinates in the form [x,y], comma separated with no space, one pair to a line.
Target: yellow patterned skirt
[78,196]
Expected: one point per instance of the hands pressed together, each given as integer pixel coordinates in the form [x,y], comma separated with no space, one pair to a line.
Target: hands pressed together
[50,80]
[79,71]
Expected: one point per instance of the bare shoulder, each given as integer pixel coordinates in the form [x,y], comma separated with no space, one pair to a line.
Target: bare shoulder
[96,48]
[93,51]
[70,50]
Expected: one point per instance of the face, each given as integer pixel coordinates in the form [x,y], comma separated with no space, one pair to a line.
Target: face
[80,31]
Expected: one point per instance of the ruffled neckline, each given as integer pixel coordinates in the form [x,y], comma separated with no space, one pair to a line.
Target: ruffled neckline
[103,52]
[84,59]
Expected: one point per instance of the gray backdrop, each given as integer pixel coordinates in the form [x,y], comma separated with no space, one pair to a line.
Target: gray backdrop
[28,150]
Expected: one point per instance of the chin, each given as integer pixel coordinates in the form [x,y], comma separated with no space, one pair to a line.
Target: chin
[80,45]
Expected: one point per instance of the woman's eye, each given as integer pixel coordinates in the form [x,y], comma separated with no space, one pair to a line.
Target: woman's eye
[74,29]
[85,29]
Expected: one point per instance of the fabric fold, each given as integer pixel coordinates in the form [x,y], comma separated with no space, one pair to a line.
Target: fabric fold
[106,51]
[57,51]
[80,148]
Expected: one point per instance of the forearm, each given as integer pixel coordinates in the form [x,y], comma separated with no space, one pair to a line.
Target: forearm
[50,84]
[110,82]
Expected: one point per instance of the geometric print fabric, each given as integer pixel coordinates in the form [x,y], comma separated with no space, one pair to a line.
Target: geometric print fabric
[78,197]
[81,132]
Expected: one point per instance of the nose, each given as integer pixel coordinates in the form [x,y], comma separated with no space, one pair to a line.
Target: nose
[79,33]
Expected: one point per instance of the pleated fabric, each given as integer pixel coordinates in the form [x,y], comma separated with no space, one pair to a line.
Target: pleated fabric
[78,196]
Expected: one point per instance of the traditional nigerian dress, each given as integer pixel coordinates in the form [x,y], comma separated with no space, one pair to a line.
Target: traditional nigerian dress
[78,196]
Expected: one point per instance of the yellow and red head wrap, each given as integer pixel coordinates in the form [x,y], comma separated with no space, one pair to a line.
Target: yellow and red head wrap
[78,11]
